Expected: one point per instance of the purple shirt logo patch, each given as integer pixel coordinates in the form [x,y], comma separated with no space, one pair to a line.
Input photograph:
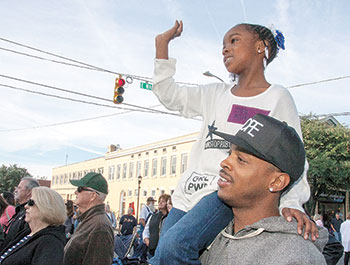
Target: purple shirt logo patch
[240,114]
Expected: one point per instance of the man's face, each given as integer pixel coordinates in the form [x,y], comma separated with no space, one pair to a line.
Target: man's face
[244,179]
[21,192]
[83,199]
[337,216]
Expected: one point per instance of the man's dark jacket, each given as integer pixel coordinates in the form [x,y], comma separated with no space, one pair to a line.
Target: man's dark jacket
[93,241]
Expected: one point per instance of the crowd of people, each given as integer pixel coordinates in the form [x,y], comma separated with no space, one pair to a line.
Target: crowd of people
[240,201]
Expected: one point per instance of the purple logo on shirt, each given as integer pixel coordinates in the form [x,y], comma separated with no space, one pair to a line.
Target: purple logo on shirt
[240,114]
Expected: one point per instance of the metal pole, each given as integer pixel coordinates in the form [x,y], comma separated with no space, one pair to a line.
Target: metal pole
[207,73]
[138,197]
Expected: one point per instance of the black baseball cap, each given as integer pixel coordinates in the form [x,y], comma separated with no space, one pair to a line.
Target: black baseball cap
[273,141]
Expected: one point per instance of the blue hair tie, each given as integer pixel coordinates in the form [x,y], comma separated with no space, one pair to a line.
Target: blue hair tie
[279,38]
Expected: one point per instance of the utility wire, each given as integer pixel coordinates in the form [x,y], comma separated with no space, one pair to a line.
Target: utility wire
[320,81]
[146,79]
[67,122]
[85,95]
[46,59]
[141,78]
[72,99]
[334,114]
[89,66]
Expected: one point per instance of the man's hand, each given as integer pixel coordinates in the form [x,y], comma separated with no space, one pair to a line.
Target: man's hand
[163,39]
[303,221]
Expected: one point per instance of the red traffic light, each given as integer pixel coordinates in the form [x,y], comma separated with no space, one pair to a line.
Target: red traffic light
[120,82]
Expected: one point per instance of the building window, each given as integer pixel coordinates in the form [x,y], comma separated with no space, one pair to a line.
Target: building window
[131,170]
[129,193]
[183,163]
[172,191]
[163,166]
[154,167]
[65,178]
[155,152]
[144,193]
[173,165]
[125,166]
[153,193]
[118,171]
[146,168]
[164,150]
[74,175]
[162,192]
[174,148]
[100,170]
[61,179]
[138,168]
[136,192]
[85,172]
[70,177]
[111,173]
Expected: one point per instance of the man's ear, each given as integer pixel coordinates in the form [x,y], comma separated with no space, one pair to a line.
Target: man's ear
[279,181]
[29,194]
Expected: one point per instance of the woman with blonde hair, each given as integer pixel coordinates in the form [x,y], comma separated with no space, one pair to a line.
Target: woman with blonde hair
[45,214]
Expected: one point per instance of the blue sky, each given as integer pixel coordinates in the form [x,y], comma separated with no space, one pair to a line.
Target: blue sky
[119,36]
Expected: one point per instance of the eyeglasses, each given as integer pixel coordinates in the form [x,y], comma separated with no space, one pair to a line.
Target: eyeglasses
[80,189]
[30,202]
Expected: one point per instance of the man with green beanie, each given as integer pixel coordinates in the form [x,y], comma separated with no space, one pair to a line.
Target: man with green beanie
[93,241]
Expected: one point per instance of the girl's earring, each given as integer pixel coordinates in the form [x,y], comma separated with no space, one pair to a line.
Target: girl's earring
[265,62]
[259,51]
[270,189]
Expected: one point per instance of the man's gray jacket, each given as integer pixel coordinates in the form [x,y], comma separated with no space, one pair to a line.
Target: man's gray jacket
[272,241]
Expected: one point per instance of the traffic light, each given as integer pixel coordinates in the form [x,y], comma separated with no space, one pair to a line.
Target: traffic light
[119,90]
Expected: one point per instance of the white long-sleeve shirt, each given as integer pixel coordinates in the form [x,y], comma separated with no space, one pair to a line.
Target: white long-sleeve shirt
[220,108]
[345,235]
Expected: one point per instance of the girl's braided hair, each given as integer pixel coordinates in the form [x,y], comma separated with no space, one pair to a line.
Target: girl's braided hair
[267,37]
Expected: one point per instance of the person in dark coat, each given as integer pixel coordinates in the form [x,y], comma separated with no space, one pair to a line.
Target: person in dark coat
[45,214]
[155,224]
[92,242]
[17,224]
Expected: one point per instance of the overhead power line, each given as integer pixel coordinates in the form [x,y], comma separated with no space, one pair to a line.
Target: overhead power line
[320,81]
[89,66]
[67,122]
[46,59]
[72,99]
[85,95]
[346,113]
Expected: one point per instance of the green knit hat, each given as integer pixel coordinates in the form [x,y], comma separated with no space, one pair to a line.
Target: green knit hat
[92,180]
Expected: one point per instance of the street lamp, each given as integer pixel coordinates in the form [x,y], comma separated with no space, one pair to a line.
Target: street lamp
[207,73]
[139,179]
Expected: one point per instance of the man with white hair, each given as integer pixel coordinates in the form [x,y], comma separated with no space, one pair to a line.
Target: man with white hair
[92,242]
[17,224]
